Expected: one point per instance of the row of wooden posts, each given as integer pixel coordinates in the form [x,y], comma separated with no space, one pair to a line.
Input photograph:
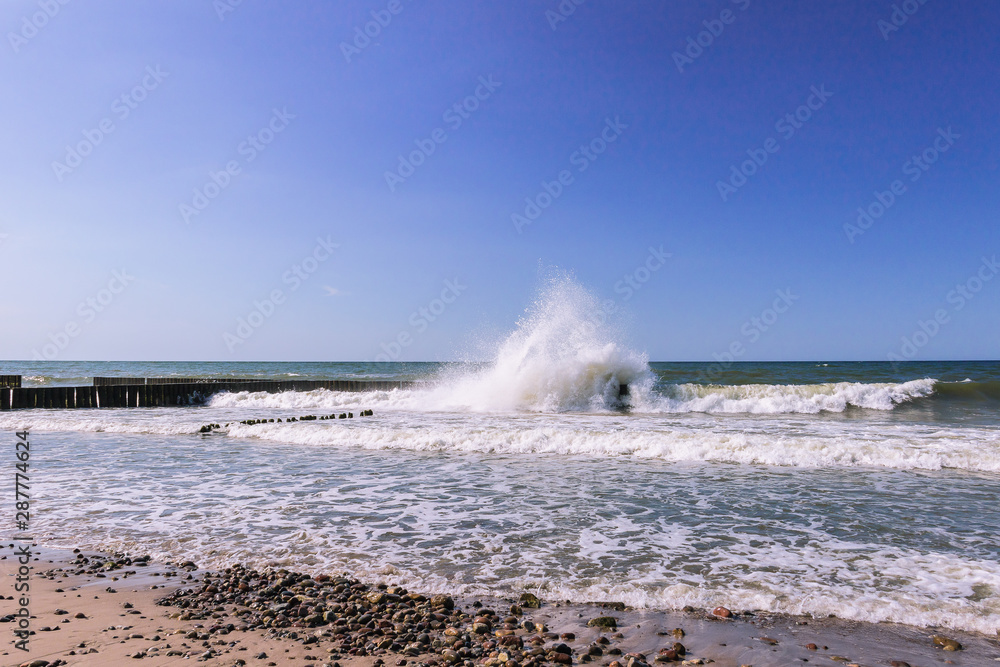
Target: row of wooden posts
[157,392]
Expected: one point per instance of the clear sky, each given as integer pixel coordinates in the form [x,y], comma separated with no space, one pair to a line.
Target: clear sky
[201,150]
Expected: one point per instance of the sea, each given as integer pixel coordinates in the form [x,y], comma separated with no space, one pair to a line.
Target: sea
[864,490]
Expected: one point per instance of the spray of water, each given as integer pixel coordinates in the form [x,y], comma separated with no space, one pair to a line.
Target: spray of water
[563,355]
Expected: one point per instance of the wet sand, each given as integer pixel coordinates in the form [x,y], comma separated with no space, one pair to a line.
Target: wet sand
[85,612]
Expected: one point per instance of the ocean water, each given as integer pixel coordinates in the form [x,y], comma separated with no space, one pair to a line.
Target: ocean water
[862,490]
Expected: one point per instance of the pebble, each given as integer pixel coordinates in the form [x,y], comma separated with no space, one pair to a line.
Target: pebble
[945,643]
[530,601]
[354,619]
[360,619]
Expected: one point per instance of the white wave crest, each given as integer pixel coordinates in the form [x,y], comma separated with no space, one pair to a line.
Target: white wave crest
[783,399]
[840,446]
[592,386]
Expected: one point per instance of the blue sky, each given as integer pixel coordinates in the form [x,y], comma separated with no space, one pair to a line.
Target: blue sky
[189,89]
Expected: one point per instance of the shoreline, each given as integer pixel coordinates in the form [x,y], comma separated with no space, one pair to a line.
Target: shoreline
[236,614]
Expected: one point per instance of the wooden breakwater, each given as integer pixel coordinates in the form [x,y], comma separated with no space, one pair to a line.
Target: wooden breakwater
[108,381]
[162,392]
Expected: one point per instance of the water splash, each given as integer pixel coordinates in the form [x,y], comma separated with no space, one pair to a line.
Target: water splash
[563,355]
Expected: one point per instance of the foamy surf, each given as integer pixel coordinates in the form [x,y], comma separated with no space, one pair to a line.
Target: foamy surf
[402,422]
[782,399]
[906,448]
[594,387]
[658,536]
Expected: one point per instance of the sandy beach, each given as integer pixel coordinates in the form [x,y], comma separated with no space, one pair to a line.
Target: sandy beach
[99,609]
